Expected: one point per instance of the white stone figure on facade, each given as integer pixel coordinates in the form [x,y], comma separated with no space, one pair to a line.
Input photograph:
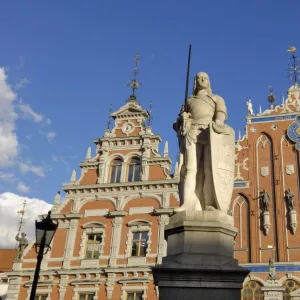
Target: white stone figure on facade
[250,108]
[289,195]
[264,198]
[23,243]
[206,182]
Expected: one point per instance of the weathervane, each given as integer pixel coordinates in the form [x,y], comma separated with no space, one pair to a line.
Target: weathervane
[22,213]
[293,70]
[150,118]
[271,97]
[134,84]
[109,119]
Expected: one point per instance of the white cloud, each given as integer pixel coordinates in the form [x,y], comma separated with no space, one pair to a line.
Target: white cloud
[28,112]
[37,170]
[50,136]
[8,137]
[10,204]
[22,82]
[23,188]
[6,177]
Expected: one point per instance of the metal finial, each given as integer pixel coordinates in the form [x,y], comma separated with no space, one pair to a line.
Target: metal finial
[293,70]
[109,118]
[271,97]
[134,84]
[150,118]
[22,213]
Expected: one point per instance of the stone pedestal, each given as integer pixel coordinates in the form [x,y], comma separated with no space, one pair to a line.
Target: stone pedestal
[199,262]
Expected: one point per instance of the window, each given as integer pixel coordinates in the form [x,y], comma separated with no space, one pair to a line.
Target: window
[252,291]
[139,244]
[290,286]
[134,170]
[134,296]
[86,296]
[40,297]
[116,169]
[93,245]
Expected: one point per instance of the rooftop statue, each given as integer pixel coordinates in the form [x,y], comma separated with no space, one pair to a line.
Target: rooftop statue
[206,150]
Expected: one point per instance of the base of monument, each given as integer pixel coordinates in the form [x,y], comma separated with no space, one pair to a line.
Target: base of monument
[200,259]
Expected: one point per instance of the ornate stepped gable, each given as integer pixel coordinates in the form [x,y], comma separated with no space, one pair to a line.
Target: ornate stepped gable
[266,158]
[125,192]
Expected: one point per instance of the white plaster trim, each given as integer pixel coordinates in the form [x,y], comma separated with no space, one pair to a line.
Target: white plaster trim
[140,210]
[96,212]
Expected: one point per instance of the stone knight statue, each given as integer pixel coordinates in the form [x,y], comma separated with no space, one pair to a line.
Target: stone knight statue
[23,243]
[206,150]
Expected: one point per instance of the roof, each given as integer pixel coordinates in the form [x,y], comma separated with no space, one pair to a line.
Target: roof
[6,259]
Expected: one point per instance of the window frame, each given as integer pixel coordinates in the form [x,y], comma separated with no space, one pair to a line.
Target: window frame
[94,245]
[91,228]
[139,242]
[38,297]
[118,170]
[136,173]
[134,292]
[85,294]
[134,227]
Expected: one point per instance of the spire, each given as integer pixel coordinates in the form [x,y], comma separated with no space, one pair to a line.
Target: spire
[88,153]
[293,70]
[271,97]
[73,177]
[239,137]
[150,114]
[57,199]
[134,84]
[260,110]
[166,149]
[176,171]
[109,117]
[283,100]
[22,213]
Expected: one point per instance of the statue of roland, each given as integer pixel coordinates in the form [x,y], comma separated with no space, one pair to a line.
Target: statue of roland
[204,179]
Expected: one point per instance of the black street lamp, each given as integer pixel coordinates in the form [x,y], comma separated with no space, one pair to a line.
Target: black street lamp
[45,231]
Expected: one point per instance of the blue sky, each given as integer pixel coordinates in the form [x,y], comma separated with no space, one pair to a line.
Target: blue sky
[66,61]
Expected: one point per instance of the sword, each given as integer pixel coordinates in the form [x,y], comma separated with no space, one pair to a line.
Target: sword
[187,79]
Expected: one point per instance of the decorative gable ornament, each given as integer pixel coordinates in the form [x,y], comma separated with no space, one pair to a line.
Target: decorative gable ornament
[293,132]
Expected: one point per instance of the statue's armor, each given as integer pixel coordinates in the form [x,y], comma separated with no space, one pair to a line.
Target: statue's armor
[203,109]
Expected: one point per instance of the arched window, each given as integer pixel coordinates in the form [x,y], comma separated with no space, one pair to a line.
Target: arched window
[115,170]
[252,291]
[134,170]
[290,286]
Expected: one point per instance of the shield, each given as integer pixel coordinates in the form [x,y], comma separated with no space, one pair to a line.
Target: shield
[222,163]
[289,169]
[264,171]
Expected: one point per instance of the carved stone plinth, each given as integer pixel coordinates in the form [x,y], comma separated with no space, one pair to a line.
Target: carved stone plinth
[200,263]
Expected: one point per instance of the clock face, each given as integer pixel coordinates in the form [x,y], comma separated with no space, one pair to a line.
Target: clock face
[293,132]
[127,128]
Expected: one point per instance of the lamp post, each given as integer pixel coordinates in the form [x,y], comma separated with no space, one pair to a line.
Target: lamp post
[45,231]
